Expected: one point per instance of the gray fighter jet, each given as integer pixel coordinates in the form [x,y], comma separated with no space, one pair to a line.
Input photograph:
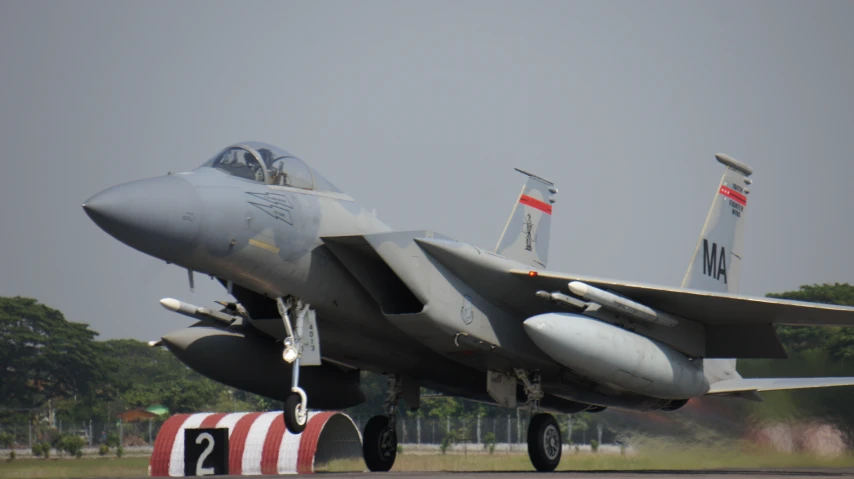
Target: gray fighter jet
[321,283]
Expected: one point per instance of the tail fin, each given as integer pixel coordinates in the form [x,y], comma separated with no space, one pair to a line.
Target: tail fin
[526,235]
[716,263]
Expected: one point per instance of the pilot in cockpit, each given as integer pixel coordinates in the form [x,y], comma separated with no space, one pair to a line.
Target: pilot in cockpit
[253,166]
[267,156]
[248,159]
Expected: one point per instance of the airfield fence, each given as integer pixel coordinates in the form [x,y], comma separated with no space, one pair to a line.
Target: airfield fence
[509,430]
[135,434]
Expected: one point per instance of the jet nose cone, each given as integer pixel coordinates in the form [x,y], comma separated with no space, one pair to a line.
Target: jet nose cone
[158,216]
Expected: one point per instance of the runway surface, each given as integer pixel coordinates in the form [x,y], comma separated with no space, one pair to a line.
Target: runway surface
[721,474]
[695,474]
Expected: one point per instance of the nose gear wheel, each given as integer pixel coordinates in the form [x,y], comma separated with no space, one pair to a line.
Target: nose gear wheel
[295,416]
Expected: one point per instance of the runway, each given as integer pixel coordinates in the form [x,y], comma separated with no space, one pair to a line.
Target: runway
[727,474]
[701,474]
[645,474]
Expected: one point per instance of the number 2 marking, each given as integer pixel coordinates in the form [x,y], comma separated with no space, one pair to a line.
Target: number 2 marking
[204,471]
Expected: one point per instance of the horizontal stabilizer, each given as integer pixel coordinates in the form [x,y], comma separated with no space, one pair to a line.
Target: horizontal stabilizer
[776,384]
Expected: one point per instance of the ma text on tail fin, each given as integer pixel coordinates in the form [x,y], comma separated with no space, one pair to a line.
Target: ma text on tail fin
[716,263]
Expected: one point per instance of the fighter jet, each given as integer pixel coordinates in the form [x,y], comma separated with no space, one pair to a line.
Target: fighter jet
[322,289]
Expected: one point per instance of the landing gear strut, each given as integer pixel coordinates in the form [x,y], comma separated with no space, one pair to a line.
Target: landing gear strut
[379,442]
[544,442]
[296,404]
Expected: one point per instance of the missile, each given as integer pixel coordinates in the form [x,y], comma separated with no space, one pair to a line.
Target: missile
[562,299]
[198,312]
[621,305]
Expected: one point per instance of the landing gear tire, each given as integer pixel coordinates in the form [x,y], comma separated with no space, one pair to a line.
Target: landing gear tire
[544,443]
[379,444]
[295,419]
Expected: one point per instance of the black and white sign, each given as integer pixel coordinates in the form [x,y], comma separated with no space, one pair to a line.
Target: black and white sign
[205,452]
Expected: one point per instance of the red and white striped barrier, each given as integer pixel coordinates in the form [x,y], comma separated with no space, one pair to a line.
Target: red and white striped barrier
[259,442]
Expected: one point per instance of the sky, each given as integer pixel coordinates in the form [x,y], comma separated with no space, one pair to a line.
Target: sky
[421,110]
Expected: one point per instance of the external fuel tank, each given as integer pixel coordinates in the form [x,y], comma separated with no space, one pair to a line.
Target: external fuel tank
[254,363]
[610,354]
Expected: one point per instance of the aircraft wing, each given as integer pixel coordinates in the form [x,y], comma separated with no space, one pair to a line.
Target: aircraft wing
[702,306]
[515,285]
[775,384]
[735,326]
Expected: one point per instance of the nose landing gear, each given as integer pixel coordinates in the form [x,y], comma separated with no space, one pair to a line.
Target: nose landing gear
[544,441]
[379,442]
[296,404]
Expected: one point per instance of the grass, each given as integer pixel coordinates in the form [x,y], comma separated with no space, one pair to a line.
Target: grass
[658,457]
[65,468]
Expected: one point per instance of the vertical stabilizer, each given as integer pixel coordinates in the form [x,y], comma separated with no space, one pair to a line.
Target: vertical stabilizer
[716,263]
[526,235]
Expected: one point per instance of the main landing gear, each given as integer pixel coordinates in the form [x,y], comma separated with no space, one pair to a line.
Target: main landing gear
[379,442]
[296,404]
[544,442]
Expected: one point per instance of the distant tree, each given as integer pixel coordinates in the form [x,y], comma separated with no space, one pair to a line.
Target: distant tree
[191,395]
[837,341]
[135,362]
[43,356]
[141,375]
[836,293]
[253,402]
[442,407]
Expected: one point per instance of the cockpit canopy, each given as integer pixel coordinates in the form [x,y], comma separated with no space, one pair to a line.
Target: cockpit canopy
[264,163]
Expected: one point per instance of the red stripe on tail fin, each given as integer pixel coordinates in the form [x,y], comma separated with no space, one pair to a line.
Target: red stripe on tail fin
[535,203]
[734,195]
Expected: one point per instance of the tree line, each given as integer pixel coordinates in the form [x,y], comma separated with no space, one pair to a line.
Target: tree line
[50,362]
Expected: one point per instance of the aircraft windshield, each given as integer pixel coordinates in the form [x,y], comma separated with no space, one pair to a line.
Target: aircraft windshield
[265,163]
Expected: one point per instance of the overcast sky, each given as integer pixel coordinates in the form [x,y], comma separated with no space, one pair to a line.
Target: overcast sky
[421,110]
